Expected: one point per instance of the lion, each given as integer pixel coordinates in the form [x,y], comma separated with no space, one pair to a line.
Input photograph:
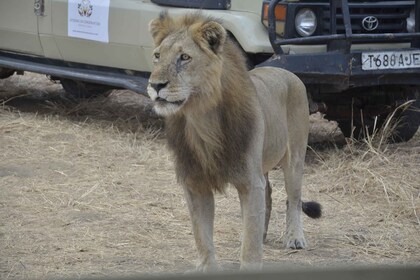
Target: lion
[226,125]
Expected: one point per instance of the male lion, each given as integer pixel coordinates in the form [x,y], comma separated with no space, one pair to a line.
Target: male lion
[227,125]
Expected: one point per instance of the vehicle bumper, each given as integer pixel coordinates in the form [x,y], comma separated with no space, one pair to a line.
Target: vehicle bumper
[338,71]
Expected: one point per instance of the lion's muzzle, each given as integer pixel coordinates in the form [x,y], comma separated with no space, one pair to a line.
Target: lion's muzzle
[165,101]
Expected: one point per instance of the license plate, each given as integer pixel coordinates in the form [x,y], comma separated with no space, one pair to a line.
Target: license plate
[390,60]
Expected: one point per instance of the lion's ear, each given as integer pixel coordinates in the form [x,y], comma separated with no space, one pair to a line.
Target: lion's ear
[213,34]
[161,27]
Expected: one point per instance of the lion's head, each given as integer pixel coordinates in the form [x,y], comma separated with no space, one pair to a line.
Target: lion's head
[188,63]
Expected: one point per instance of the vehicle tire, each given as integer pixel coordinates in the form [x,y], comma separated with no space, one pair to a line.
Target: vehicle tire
[407,124]
[79,89]
[6,73]
[357,129]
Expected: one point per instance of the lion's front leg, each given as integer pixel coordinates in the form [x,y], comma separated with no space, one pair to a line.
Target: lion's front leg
[201,207]
[252,197]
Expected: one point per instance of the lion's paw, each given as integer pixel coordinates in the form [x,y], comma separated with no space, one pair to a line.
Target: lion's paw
[205,267]
[251,266]
[296,243]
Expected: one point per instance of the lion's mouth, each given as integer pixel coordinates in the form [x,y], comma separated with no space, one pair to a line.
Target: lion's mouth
[162,101]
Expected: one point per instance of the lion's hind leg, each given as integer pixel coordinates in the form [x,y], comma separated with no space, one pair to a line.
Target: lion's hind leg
[294,237]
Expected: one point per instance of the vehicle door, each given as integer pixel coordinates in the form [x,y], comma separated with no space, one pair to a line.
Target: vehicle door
[19,26]
[104,32]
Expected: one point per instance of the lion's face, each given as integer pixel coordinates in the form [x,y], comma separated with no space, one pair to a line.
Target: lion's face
[184,64]
[175,78]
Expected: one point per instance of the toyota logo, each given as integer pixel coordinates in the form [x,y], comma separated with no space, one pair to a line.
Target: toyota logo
[370,23]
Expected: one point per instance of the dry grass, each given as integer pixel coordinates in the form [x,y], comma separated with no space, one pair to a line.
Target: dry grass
[384,188]
[89,190]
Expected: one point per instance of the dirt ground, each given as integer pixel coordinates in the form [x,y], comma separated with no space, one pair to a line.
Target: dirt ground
[88,189]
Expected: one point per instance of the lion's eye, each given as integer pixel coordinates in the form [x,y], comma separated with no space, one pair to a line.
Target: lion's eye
[156,55]
[185,57]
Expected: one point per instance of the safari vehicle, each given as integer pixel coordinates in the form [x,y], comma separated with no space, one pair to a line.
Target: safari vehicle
[359,59]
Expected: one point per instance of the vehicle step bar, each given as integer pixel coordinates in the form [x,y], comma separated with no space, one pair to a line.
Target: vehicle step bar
[104,76]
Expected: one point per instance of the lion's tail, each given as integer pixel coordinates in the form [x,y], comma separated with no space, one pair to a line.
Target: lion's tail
[312,208]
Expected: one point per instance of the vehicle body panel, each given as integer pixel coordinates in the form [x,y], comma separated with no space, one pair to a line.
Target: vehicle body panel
[130,44]
[19,27]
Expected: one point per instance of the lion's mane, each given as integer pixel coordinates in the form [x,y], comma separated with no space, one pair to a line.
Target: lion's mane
[212,147]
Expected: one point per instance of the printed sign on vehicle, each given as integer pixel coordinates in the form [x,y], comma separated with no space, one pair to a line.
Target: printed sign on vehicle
[88,19]
[391,60]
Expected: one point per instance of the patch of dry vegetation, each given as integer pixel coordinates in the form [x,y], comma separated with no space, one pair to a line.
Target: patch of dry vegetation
[388,177]
[380,170]
[83,197]
[383,185]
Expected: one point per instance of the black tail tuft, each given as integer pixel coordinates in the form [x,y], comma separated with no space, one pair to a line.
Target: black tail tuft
[312,209]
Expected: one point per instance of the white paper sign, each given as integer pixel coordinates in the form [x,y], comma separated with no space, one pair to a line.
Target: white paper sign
[88,19]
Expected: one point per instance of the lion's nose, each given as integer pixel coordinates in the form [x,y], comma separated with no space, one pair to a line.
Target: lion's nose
[158,86]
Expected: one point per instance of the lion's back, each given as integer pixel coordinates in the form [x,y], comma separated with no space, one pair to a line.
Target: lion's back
[284,105]
[277,83]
